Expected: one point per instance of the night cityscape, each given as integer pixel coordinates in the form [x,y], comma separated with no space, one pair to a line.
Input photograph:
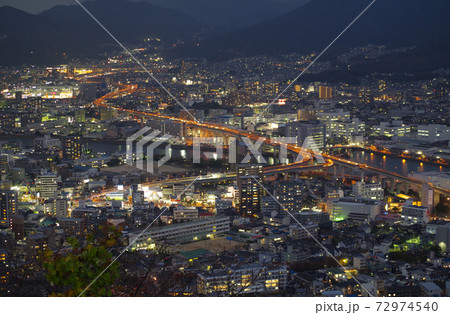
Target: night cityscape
[210,149]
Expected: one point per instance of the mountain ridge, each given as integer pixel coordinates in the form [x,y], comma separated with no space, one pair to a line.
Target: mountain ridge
[68,31]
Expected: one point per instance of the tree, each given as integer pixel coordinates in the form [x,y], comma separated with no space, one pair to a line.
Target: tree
[86,270]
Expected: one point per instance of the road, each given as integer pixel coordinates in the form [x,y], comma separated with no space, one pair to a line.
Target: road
[306,154]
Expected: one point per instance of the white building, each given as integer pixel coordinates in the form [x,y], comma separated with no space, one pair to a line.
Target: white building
[343,208]
[332,120]
[47,185]
[433,133]
[350,129]
[183,232]
[414,214]
[373,191]
[395,128]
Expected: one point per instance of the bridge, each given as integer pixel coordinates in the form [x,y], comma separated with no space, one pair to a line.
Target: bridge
[336,162]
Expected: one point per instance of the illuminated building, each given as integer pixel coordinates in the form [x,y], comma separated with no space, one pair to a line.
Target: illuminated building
[182,232]
[395,128]
[381,85]
[182,213]
[291,193]
[348,129]
[373,191]
[249,189]
[252,87]
[237,99]
[414,214]
[325,92]
[443,237]
[313,129]
[61,207]
[47,185]
[43,91]
[433,133]
[4,270]
[243,280]
[270,88]
[8,206]
[365,96]
[72,147]
[359,209]
[331,119]
[269,205]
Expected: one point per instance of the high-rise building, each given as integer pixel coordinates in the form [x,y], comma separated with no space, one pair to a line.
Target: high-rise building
[365,96]
[47,185]
[325,92]
[72,147]
[250,190]
[61,207]
[427,199]
[4,165]
[313,129]
[8,206]
[291,194]
[4,271]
